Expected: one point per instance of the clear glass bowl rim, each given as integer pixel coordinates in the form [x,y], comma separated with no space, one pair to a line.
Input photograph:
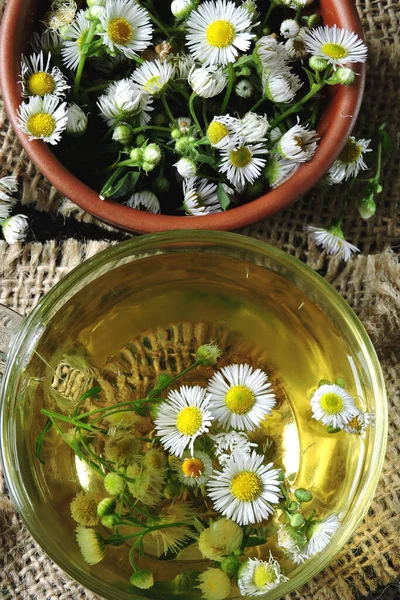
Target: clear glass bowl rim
[136,249]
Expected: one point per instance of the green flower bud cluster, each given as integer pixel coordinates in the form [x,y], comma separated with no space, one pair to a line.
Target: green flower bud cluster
[146,157]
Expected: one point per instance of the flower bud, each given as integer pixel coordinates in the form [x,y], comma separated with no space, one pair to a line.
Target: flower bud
[160,119]
[152,154]
[160,185]
[182,145]
[340,382]
[142,579]
[345,75]
[106,507]
[255,189]
[313,20]
[114,484]
[290,28]
[91,3]
[64,32]
[77,120]
[296,520]
[147,167]
[176,134]
[95,12]
[208,354]
[366,208]
[186,167]
[303,495]
[140,140]
[109,520]
[230,565]
[181,9]
[136,155]
[318,64]
[123,134]
[331,429]
[244,89]
[293,506]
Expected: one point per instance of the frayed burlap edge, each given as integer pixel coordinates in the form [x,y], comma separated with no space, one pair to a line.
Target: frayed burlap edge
[371,284]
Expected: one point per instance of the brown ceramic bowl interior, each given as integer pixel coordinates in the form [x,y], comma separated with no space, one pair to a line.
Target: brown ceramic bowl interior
[334,127]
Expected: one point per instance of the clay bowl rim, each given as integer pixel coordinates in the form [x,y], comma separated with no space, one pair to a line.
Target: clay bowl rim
[335,126]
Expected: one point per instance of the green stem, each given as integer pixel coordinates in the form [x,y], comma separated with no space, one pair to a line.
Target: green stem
[82,61]
[193,112]
[315,88]
[231,80]
[53,415]
[267,15]
[167,109]
[204,111]
[115,406]
[345,204]
[160,388]
[257,104]
[378,162]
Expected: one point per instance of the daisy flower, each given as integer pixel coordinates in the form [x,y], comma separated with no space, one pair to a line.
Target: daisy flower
[350,161]
[124,101]
[257,577]
[15,229]
[319,534]
[91,545]
[84,509]
[227,444]
[127,27]
[224,132]
[243,164]
[47,41]
[280,86]
[359,423]
[145,200]
[152,77]
[182,418]
[39,79]
[72,47]
[298,144]
[289,28]
[207,82]
[221,538]
[194,470]
[291,541]
[43,118]
[254,127]
[295,47]
[271,53]
[279,170]
[148,484]
[241,397]
[332,240]
[200,197]
[244,89]
[184,124]
[217,31]
[8,184]
[172,538]
[333,405]
[245,490]
[77,120]
[337,46]
[183,63]
[214,584]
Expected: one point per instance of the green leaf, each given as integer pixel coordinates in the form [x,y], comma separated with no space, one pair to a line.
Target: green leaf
[126,185]
[40,440]
[255,541]
[92,392]
[386,139]
[204,158]
[106,191]
[223,197]
[310,75]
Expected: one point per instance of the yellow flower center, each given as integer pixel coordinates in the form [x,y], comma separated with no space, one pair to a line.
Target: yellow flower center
[40,84]
[220,34]
[240,399]
[216,132]
[246,486]
[41,125]
[334,51]
[354,423]
[120,31]
[263,575]
[192,467]
[153,84]
[189,420]
[350,153]
[299,45]
[298,140]
[331,403]
[240,158]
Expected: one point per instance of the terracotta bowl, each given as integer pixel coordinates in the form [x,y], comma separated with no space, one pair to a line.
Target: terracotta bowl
[335,125]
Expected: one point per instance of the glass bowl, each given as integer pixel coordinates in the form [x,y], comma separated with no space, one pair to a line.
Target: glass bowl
[75,310]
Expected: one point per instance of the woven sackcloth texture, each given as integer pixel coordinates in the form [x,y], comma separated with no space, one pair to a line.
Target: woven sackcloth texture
[369,565]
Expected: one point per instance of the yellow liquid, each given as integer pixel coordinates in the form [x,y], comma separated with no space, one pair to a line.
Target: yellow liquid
[150,316]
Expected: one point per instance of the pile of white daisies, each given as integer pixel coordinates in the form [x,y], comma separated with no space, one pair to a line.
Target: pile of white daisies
[188,106]
[188,473]
[13,227]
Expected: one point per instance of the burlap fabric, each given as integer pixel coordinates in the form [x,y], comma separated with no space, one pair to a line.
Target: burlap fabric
[369,564]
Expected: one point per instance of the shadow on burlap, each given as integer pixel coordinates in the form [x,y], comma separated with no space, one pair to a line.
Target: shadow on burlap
[370,283]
